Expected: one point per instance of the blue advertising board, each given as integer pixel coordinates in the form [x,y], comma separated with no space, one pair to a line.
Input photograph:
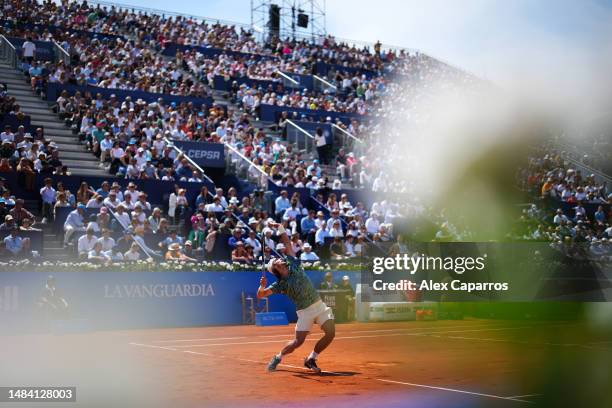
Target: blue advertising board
[122,300]
[323,68]
[204,154]
[55,89]
[221,84]
[271,113]
[210,52]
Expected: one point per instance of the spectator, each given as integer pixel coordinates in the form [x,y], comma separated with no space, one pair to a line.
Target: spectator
[29,50]
[97,255]
[74,222]
[336,249]
[321,234]
[86,243]
[281,203]
[19,213]
[174,254]
[253,241]
[133,254]
[16,246]
[307,255]
[235,238]
[48,196]
[108,242]
[240,254]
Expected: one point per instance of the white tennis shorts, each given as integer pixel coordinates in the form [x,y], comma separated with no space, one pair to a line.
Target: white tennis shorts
[317,313]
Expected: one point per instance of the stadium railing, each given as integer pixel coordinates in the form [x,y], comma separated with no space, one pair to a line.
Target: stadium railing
[574,155]
[201,170]
[61,54]
[299,137]
[242,165]
[322,85]
[287,81]
[8,51]
[347,140]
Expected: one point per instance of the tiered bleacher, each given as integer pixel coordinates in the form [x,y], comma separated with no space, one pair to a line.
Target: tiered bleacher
[163,102]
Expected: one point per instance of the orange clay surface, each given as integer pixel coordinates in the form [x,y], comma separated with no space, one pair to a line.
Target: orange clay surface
[463,363]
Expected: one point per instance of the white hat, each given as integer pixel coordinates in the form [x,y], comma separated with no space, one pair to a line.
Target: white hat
[280,246]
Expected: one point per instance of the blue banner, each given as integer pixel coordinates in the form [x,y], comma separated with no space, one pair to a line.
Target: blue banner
[271,113]
[55,89]
[220,84]
[131,300]
[322,68]
[210,52]
[204,154]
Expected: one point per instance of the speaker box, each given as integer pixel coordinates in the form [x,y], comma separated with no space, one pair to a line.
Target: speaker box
[274,19]
[302,20]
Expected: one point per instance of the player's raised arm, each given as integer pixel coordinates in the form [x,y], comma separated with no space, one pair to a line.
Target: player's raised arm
[284,238]
[262,291]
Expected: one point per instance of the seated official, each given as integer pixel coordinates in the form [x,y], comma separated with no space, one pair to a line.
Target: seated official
[328,282]
[345,284]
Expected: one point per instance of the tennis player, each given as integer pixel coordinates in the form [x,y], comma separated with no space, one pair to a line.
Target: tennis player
[293,282]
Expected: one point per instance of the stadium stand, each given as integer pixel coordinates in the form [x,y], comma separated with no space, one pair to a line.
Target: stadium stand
[180,139]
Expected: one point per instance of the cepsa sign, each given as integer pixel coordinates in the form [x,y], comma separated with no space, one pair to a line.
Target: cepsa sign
[204,154]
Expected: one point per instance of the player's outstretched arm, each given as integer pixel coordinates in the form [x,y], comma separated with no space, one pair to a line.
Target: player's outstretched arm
[262,291]
[284,238]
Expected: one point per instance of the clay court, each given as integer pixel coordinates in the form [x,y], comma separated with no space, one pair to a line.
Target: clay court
[450,363]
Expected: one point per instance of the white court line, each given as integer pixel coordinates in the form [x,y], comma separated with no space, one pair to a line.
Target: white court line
[453,390]
[235,358]
[528,343]
[525,396]
[343,332]
[340,374]
[152,346]
[289,337]
[208,339]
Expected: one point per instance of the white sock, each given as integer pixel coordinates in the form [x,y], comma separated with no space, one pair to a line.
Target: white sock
[313,355]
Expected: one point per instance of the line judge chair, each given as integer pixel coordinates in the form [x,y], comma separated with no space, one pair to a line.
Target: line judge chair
[252,305]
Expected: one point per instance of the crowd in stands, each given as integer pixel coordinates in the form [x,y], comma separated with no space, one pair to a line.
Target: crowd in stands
[575,211]
[15,222]
[131,136]
[113,224]
[23,152]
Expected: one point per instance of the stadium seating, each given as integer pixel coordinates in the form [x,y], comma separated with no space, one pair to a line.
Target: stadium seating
[163,102]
